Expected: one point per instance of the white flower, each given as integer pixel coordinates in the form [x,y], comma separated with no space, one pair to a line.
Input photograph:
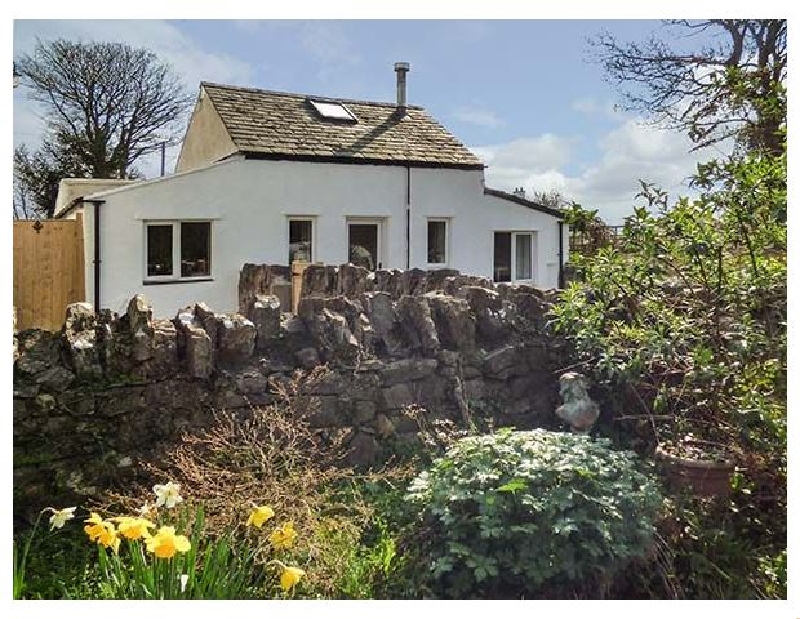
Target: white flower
[146,509]
[184,578]
[60,516]
[167,494]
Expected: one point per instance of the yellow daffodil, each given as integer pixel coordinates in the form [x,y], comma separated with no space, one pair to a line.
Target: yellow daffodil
[167,494]
[102,531]
[94,528]
[60,516]
[290,577]
[134,528]
[165,543]
[260,515]
[284,536]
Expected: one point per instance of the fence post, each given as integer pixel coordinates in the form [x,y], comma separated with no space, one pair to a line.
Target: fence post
[297,283]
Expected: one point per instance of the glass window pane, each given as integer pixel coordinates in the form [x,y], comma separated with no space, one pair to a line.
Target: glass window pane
[332,110]
[523,256]
[502,256]
[437,242]
[195,249]
[299,241]
[159,250]
[363,251]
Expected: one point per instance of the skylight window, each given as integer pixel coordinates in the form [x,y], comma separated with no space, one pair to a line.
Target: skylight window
[333,111]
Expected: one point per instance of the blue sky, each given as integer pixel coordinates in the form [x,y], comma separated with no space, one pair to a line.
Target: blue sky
[521,93]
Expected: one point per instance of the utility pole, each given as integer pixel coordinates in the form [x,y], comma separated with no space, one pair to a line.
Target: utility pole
[163,143]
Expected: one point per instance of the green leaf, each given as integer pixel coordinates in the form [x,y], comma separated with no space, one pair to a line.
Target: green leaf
[513,486]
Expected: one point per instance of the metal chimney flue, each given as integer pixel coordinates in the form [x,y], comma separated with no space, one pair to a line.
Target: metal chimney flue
[401,68]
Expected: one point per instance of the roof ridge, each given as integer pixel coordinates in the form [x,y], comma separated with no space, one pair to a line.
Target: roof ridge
[323,98]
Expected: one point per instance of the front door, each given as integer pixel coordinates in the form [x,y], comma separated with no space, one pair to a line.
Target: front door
[364,244]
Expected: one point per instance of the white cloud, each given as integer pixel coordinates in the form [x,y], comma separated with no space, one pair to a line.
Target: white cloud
[529,153]
[168,42]
[474,116]
[592,107]
[329,45]
[189,60]
[630,152]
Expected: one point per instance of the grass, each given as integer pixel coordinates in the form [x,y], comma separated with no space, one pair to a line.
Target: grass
[60,565]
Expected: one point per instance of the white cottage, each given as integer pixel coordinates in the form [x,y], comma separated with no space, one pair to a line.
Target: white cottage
[272,177]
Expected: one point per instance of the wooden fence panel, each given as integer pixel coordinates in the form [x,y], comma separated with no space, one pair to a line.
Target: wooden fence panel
[48,271]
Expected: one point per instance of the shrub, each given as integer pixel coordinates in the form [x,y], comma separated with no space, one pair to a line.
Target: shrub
[683,327]
[532,514]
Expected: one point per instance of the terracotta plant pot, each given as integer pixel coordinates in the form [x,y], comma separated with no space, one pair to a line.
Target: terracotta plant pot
[704,476]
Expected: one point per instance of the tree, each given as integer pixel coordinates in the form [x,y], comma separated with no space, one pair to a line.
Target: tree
[732,87]
[37,175]
[552,198]
[589,231]
[106,106]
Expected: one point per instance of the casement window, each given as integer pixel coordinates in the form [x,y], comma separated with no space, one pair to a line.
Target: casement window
[301,240]
[177,250]
[365,242]
[514,256]
[438,243]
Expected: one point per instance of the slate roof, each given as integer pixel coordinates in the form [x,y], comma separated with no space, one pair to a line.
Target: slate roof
[281,125]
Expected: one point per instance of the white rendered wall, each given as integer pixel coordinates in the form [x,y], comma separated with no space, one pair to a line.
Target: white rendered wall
[249,203]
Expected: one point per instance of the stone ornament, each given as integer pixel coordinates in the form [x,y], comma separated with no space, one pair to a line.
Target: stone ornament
[578,410]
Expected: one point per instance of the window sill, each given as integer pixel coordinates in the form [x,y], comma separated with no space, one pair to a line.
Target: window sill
[184,280]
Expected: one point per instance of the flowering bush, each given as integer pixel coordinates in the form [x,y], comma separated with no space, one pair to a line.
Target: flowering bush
[532,513]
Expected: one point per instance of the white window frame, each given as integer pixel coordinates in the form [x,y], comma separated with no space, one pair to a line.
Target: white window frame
[515,236]
[313,221]
[176,250]
[534,264]
[446,222]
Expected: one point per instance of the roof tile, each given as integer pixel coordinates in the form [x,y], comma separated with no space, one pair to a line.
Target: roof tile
[275,123]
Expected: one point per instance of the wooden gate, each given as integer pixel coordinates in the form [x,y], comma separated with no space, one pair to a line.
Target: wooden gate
[48,271]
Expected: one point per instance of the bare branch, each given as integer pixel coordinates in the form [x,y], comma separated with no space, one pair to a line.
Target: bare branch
[716,92]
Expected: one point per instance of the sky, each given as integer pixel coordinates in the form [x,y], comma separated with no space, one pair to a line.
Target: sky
[523,94]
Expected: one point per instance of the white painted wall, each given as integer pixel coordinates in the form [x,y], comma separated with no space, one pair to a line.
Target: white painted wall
[497,214]
[249,203]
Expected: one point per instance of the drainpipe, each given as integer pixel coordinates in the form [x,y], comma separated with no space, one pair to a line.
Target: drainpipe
[561,254]
[401,69]
[97,260]
[408,218]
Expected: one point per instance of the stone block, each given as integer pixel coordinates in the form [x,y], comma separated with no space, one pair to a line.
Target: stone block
[407,370]
[398,396]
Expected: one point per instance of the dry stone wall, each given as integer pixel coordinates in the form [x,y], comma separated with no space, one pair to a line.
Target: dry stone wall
[106,390]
